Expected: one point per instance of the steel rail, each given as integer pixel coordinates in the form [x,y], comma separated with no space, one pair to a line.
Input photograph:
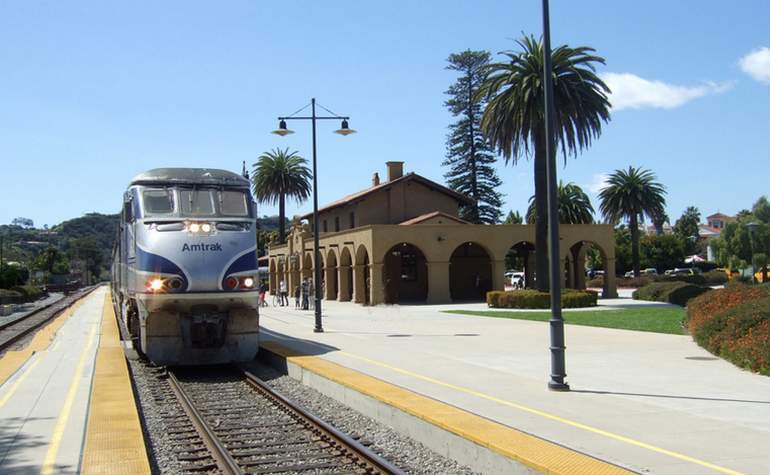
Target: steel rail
[358,450]
[13,339]
[224,460]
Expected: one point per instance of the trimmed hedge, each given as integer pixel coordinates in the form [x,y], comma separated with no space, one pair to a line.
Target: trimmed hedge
[703,308]
[715,277]
[740,334]
[28,292]
[672,292]
[529,298]
[697,279]
[10,296]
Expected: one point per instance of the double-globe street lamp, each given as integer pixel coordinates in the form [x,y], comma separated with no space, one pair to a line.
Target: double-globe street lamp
[344,130]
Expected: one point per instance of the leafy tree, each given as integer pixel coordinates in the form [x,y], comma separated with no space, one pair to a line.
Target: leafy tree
[687,228]
[662,252]
[513,217]
[630,195]
[623,260]
[13,275]
[47,258]
[280,174]
[23,222]
[761,209]
[660,218]
[574,206]
[469,157]
[514,117]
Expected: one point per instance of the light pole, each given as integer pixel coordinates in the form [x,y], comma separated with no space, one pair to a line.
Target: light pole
[752,227]
[558,367]
[343,130]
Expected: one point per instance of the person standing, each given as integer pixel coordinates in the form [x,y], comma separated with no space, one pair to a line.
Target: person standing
[283,293]
[305,293]
[297,293]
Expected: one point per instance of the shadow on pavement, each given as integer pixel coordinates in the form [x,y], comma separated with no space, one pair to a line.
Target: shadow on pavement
[668,396]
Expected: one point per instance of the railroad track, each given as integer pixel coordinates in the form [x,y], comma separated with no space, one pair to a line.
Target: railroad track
[235,423]
[12,332]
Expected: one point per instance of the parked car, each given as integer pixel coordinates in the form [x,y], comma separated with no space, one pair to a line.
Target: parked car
[684,271]
[515,278]
[650,271]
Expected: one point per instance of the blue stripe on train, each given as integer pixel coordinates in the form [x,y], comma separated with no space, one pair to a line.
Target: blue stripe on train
[149,262]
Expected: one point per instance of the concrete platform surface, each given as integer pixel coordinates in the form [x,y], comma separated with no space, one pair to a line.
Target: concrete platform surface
[650,402]
[44,405]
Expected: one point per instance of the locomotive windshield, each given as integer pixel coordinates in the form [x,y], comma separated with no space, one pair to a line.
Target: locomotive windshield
[195,202]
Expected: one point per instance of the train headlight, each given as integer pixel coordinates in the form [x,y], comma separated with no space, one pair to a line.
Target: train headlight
[247,282]
[155,285]
[206,227]
[194,227]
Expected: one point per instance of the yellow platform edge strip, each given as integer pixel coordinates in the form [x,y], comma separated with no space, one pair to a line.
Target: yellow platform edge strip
[114,439]
[536,453]
[14,359]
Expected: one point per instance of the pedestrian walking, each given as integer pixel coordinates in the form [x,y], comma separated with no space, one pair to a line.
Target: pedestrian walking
[297,292]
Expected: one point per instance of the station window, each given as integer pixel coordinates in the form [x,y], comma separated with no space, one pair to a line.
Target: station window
[326,227]
[352,220]
[336,223]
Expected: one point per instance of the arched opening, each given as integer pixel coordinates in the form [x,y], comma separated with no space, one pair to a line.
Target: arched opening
[273,276]
[307,266]
[405,274]
[345,291]
[294,273]
[470,272]
[330,283]
[362,292]
[520,266]
[586,266]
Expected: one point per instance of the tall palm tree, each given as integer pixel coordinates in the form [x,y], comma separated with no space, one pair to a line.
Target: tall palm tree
[514,118]
[630,195]
[280,174]
[574,206]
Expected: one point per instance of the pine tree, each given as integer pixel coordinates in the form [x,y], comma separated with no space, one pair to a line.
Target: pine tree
[469,157]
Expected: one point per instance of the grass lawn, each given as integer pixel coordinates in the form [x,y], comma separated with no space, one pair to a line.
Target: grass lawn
[662,319]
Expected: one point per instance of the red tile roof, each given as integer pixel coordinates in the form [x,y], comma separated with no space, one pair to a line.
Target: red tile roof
[408,177]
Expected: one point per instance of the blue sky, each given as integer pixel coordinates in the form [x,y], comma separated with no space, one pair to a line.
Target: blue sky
[93,93]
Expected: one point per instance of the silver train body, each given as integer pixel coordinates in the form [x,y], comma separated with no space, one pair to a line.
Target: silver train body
[184,272]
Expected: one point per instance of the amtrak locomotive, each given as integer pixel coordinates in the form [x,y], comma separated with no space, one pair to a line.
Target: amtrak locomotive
[184,272]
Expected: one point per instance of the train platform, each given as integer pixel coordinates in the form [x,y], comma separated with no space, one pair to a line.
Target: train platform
[51,405]
[647,402]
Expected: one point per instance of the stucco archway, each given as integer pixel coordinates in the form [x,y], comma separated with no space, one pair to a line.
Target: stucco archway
[575,267]
[470,272]
[331,280]
[345,276]
[405,274]
[362,277]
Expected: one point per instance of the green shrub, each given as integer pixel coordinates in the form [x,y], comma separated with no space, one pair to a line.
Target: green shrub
[28,292]
[535,299]
[740,334]
[10,296]
[697,279]
[715,277]
[675,292]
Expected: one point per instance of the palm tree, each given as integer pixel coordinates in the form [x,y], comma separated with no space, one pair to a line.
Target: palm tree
[574,206]
[513,120]
[278,175]
[631,194]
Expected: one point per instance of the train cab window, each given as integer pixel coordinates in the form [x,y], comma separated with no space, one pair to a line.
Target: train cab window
[196,202]
[233,203]
[158,202]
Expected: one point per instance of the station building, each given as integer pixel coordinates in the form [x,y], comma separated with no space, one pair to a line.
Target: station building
[401,240]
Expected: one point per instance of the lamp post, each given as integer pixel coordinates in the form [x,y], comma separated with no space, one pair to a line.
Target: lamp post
[752,227]
[558,369]
[343,130]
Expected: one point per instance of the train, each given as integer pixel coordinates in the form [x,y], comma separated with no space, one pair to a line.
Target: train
[185,277]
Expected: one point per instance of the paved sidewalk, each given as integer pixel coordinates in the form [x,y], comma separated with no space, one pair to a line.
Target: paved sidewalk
[43,407]
[650,402]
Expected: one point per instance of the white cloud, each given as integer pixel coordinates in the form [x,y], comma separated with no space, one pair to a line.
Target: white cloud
[598,181]
[630,91]
[757,64]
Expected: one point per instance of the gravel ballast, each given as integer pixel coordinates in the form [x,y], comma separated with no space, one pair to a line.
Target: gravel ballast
[160,411]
